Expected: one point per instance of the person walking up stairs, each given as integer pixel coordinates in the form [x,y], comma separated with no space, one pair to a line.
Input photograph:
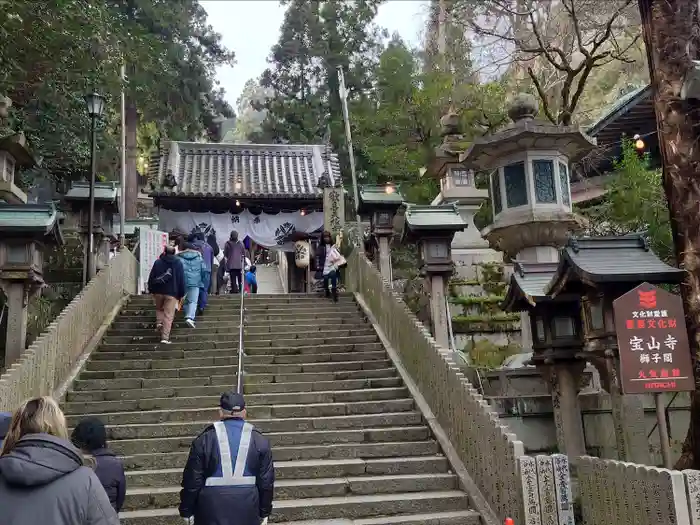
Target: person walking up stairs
[349,445]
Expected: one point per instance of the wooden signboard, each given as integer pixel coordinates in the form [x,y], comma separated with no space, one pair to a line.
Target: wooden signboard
[653,342]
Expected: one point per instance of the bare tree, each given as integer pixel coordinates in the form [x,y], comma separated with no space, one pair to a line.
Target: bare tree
[556,45]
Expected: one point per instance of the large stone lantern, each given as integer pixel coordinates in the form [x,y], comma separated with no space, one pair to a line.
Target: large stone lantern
[599,270]
[381,204]
[13,155]
[458,186]
[106,207]
[557,344]
[433,227]
[529,165]
[25,229]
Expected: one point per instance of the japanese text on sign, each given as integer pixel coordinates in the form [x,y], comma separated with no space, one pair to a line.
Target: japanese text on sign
[653,344]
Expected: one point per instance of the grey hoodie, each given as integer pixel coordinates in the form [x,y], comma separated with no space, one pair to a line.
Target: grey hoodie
[43,480]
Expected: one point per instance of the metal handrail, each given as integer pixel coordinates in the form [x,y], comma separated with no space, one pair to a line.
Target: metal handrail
[239,387]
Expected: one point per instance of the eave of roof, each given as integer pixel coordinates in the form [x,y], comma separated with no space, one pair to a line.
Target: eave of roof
[596,261]
[620,108]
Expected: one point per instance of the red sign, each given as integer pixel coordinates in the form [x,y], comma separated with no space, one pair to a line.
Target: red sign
[653,342]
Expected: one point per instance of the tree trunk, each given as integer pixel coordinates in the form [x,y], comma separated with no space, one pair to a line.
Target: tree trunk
[671,44]
[132,177]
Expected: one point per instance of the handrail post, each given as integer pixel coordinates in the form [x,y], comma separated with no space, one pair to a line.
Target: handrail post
[239,378]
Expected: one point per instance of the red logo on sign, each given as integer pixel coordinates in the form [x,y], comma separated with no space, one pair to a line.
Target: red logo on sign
[647,299]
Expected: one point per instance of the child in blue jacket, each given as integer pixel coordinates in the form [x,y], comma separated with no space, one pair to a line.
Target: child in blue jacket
[195,273]
[251,280]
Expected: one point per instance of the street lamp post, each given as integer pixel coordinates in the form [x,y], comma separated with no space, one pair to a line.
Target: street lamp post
[95,106]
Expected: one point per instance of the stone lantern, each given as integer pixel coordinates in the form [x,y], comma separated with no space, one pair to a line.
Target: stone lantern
[557,344]
[106,206]
[529,166]
[13,155]
[599,270]
[433,228]
[458,186]
[381,204]
[24,231]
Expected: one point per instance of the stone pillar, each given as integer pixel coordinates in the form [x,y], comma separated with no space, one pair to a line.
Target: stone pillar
[438,309]
[17,299]
[384,257]
[628,418]
[564,380]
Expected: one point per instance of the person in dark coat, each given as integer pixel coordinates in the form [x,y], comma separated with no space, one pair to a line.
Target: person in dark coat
[235,492]
[5,419]
[90,436]
[167,284]
[234,251]
[43,478]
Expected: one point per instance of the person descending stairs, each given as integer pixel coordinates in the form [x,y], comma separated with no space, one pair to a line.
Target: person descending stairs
[349,445]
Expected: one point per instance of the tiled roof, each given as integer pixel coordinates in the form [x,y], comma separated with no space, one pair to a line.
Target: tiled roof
[30,219]
[104,191]
[269,171]
[527,285]
[378,196]
[600,260]
[444,216]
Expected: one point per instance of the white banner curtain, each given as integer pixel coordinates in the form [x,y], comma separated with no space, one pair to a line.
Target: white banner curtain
[270,231]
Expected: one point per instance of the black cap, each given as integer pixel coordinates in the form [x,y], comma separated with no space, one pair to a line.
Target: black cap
[232,402]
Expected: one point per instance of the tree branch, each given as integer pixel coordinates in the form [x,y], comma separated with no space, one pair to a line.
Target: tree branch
[542,95]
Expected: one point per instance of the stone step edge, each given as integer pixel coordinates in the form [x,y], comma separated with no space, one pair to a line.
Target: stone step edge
[281,394]
[225,386]
[255,421]
[308,463]
[434,518]
[293,432]
[214,406]
[310,482]
[320,502]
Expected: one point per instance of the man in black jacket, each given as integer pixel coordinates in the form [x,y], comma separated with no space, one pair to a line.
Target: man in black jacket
[229,477]
[167,284]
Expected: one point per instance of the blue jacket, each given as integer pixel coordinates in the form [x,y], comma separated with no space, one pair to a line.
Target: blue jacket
[167,277]
[250,278]
[193,266]
[211,498]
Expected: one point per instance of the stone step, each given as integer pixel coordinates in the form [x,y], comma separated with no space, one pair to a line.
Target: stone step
[142,498]
[459,517]
[107,380]
[325,468]
[169,460]
[291,331]
[187,336]
[206,325]
[231,341]
[251,388]
[284,314]
[126,361]
[255,402]
[256,298]
[130,447]
[161,351]
[250,368]
[298,424]
[231,308]
[343,507]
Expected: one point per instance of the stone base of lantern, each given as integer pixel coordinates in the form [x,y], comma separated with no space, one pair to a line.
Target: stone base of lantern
[541,228]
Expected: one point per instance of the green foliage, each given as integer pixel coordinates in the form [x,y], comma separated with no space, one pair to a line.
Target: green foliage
[485,354]
[55,52]
[635,202]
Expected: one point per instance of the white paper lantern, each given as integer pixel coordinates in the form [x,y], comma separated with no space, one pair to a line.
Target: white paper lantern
[302,254]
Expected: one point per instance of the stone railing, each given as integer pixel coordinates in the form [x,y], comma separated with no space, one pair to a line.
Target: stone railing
[617,493]
[493,457]
[49,362]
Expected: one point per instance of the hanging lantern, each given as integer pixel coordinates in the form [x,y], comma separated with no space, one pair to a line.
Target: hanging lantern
[302,252]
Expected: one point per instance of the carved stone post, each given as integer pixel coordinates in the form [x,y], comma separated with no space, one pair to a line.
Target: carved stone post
[564,380]
[384,257]
[17,301]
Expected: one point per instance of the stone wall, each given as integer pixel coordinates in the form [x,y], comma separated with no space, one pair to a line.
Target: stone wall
[51,359]
[488,449]
[613,492]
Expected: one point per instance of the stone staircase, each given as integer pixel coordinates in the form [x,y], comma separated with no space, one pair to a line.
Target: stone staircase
[349,445]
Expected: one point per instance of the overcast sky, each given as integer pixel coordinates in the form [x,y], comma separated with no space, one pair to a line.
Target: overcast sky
[251,27]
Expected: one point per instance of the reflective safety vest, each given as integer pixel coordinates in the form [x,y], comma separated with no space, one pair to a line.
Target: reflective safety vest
[233,437]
